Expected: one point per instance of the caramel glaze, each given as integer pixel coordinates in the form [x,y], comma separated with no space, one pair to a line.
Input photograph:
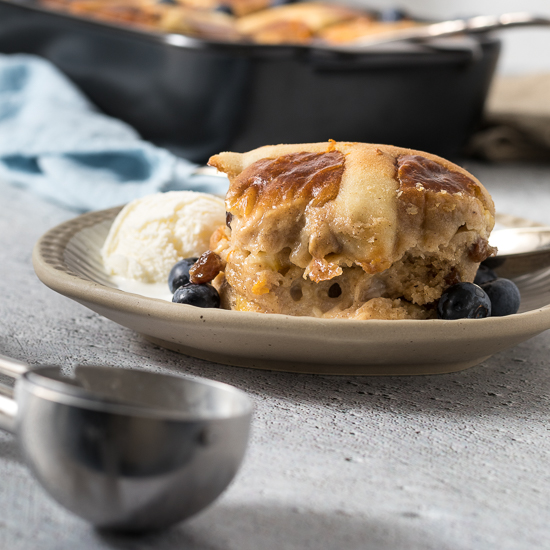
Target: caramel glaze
[417,175]
[313,177]
[414,170]
[206,268]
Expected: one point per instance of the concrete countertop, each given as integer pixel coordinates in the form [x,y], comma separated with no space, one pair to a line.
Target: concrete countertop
[456,461]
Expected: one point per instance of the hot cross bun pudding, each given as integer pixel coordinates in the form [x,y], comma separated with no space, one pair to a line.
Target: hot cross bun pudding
[345,230]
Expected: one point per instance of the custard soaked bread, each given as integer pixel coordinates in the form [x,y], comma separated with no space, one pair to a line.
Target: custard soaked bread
[345,230]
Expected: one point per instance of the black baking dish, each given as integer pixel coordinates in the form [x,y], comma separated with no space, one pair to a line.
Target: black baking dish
[198,97]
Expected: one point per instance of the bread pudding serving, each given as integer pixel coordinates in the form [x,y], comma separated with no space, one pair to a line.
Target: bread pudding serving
[345,230]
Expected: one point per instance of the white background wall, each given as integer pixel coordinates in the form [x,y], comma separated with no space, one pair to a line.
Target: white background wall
[524,50]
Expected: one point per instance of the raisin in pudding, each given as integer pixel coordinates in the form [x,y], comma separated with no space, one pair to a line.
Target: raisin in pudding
[345,230]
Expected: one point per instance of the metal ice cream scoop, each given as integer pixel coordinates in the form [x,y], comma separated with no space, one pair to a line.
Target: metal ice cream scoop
[125,449]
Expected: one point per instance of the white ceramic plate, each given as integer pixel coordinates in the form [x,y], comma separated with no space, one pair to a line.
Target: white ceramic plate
[67,259]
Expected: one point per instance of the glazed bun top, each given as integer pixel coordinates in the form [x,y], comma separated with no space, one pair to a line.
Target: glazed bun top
[340,204]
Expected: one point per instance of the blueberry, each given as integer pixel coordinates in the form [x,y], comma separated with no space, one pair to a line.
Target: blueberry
[464,301]
[224,8]
[504,296]
[197,295]
[179,274]
[484,275]
[494,262]
[392,14]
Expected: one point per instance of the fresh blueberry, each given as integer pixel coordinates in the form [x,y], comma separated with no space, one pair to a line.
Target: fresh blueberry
[173,2]
[484,275]
[197,295]
[464,301]
[504,296]
[494,262]
[224,8]
[179,274]
[392,14]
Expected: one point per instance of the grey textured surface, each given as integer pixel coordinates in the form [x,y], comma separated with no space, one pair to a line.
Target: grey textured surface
[455,461]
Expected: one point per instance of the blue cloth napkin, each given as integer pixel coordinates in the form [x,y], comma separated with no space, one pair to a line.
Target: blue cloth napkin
[53,141]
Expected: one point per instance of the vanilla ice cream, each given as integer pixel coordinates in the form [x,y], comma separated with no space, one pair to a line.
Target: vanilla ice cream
[151,234]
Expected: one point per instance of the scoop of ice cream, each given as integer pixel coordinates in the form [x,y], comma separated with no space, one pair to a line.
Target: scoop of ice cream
[151,234]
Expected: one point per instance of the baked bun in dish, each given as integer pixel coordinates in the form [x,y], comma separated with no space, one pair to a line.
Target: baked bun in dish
[346,230]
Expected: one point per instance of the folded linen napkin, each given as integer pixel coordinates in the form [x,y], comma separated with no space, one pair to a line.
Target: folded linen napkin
[53,141]
[517,120]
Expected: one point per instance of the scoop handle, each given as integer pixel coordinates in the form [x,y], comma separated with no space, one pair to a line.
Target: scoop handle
[8,405]
[11,367]
[8,411]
